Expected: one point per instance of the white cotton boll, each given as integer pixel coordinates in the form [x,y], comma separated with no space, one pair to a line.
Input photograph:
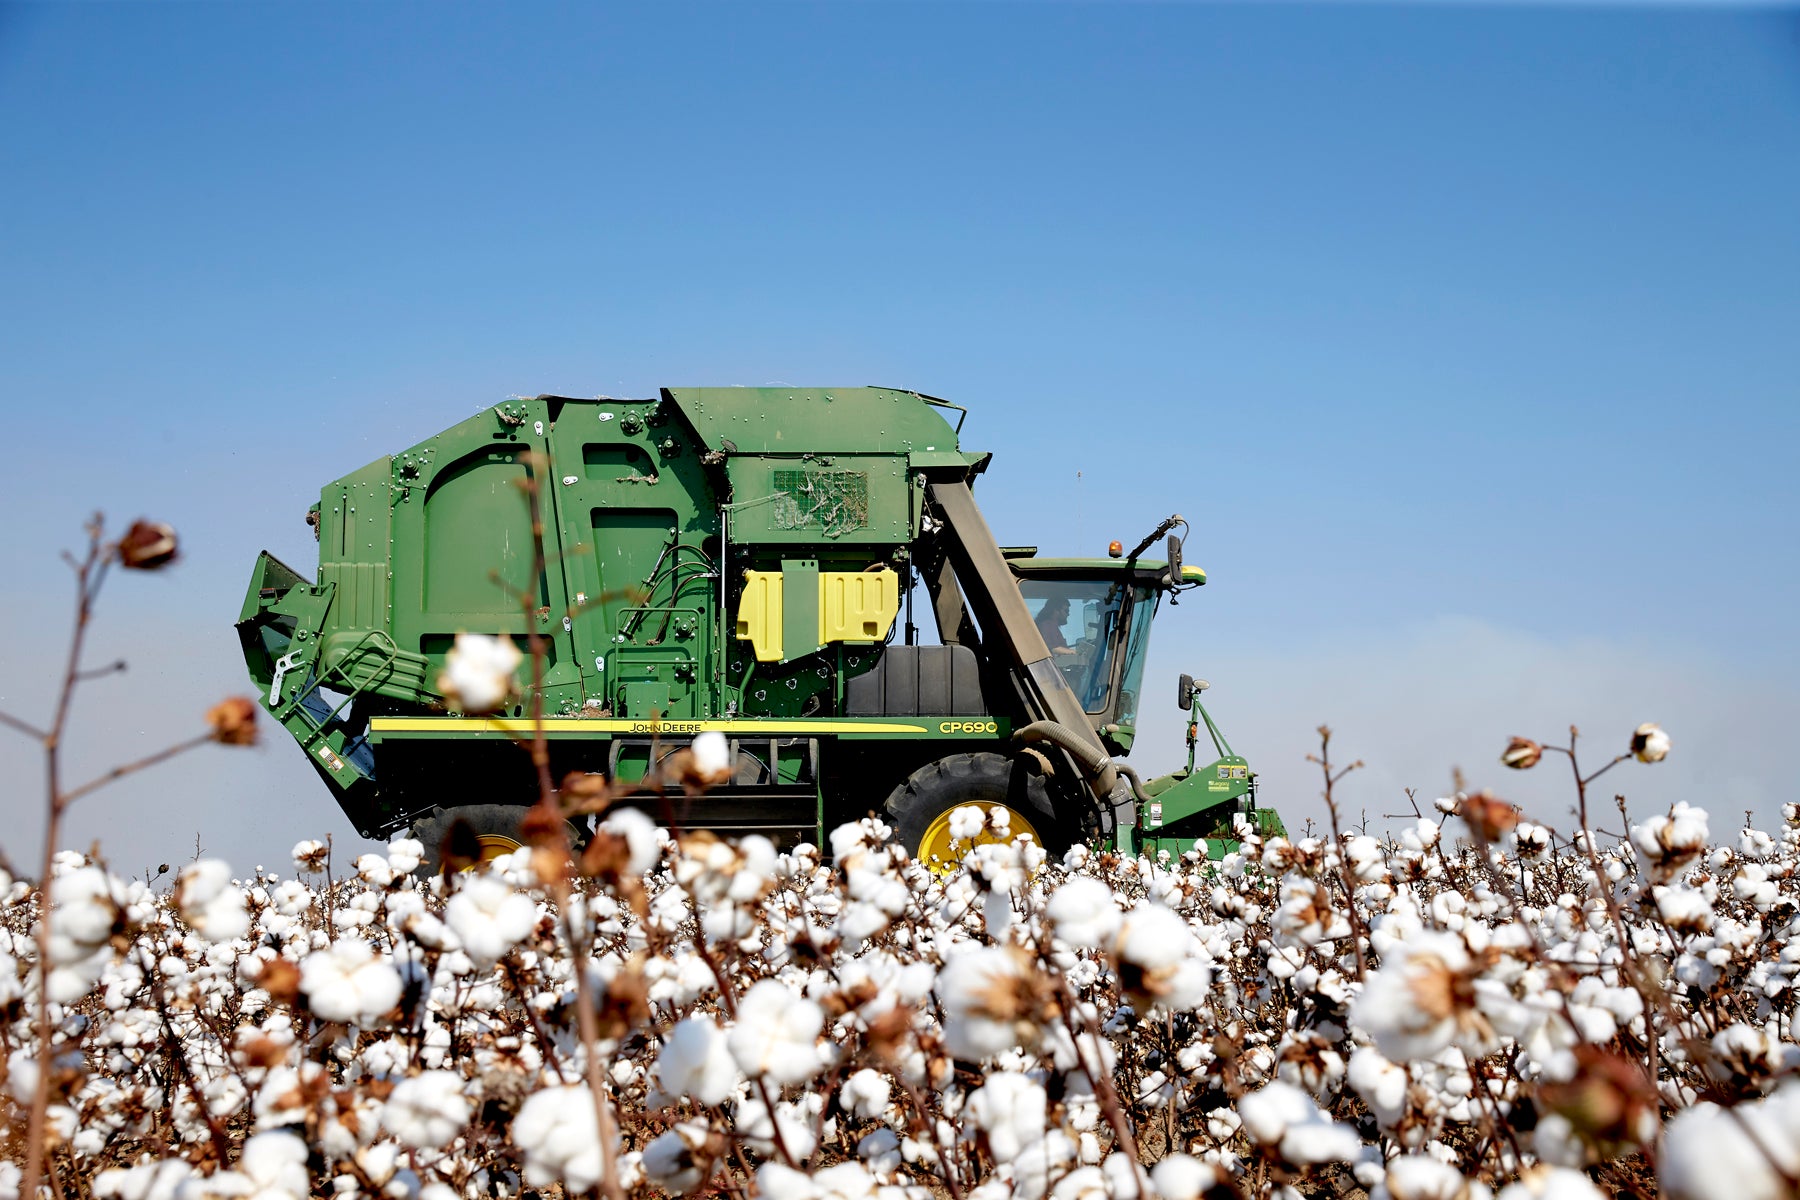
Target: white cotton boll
[1183,1177]
[1124,1177]
[276,1163]
[997,913]
[1083,913]
[292,898]
[1160,962]
[778,1182]
[310,855]
[1042,1162]
[881,1151]
[1010,1109]
[1363,856]
[1421,1000]
[1670,844]
[1283,1116]
[1556,1142]
[696,1062]
[1417,1177]
[712,756]
[758,1132]
[404,854]
[348,982]
[642,838]
[1754,843]
[1745,1050]
[757,865]
[1381,1084]
[479,671]
[148,1181]
[1683,910]
[976,989]
[777,1034]
[374,868]
[682,1159]
[859,922]
[1552,1183]
[86,905]
[865,1094]
[427,1111]
[1083,1183]
[489,918]
[559,1134]
[1747,1153]
[966,822]
[222,1185]
[209,903]
[844,1181]
[12,987]
[1152,937]
[281,1100]
[1267,1113]
[1649,743]
[1422,836]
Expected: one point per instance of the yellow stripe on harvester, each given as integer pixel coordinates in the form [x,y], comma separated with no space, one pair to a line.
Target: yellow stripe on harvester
[521,725]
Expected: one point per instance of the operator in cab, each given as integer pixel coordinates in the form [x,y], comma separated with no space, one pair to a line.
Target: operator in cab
[1050,620]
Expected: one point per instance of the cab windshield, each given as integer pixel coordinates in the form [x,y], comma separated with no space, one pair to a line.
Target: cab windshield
[1081,623]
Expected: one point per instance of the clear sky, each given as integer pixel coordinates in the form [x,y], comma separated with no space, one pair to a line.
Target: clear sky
[1466,337]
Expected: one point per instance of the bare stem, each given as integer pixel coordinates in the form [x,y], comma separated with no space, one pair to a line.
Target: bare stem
[149,760]
[24,727]
[1357,932]
[90,572]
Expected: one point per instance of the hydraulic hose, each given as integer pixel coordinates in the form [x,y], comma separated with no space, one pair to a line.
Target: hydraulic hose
[1131,777]
[1102,771]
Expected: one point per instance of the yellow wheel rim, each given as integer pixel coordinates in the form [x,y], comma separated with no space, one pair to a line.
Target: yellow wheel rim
[942,854]
[495,845]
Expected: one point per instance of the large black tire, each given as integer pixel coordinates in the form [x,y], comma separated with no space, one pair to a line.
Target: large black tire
[985,778]
[496,820]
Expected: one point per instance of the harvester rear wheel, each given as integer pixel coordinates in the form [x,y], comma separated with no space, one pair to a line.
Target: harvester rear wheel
[495,828]
[920,808]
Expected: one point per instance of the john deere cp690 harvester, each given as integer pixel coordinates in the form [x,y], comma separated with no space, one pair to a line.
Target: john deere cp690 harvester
[731,559]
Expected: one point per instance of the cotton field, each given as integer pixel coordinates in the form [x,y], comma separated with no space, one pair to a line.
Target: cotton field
[1478,1006]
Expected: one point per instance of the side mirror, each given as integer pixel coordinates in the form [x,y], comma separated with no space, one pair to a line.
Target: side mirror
[1185,692]
[1174,560]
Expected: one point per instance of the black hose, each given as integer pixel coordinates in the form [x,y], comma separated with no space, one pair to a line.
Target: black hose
[1099,768]
[1131,777]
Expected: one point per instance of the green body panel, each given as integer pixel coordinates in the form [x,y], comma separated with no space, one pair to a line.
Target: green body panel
[811,421]
[652,511]
[1190,806]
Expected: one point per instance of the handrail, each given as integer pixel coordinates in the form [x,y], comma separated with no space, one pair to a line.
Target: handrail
[337,670]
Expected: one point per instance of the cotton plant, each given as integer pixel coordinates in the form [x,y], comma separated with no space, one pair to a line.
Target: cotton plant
[674,1014]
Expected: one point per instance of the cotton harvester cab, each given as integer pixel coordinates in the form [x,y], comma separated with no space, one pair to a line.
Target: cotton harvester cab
[733,559]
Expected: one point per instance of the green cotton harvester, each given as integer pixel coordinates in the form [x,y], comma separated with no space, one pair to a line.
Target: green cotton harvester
[741,560]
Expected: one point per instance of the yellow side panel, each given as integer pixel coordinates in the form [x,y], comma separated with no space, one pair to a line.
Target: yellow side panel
[759,614]
[857,606]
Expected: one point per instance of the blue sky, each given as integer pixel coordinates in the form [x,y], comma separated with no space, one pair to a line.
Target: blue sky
[1466,337]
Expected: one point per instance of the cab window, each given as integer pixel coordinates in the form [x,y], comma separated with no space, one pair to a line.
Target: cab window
[1079,620]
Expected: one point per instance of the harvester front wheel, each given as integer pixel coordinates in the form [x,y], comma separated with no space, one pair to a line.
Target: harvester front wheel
[495,828]
[920,809]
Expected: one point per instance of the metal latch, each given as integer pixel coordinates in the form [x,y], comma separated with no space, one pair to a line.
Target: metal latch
[283,665]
